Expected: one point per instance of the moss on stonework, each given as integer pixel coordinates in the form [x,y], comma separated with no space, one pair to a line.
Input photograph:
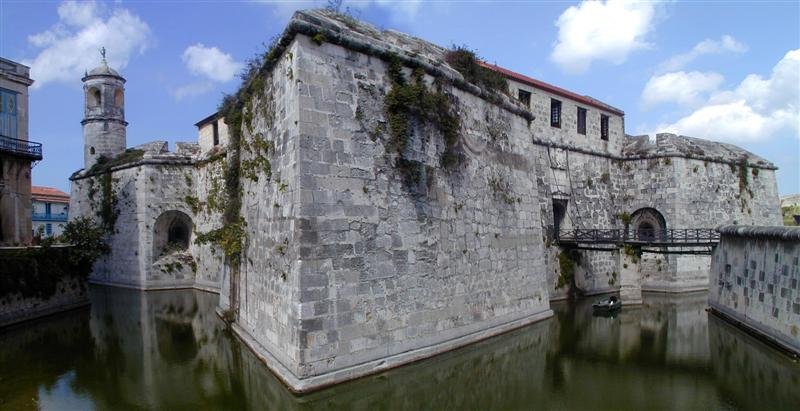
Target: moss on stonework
[104,164]
[466,62]
[36,272]
[108,211]
[258,163]
[411,101]
[567,260]
[229,237]
[635,253]
[193,203]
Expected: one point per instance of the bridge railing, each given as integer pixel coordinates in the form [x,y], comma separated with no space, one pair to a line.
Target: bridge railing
[675,236]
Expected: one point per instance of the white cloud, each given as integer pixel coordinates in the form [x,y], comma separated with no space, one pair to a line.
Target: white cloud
[191,90]
[210,62]
[71,46]
[680,87]
[708,46]
[597,30]
[755,110]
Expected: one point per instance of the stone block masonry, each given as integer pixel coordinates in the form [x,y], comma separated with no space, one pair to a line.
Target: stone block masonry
[368,206]
[355,267]
[755,281]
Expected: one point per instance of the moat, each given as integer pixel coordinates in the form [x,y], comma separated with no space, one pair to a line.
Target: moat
[169,350]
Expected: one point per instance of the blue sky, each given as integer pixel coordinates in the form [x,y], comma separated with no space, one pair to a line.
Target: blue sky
[724,71]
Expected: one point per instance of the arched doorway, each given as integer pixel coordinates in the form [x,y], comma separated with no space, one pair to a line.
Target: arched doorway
[648,224]
[171,232]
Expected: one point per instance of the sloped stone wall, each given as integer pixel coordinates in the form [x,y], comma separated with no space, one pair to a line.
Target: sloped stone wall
[755,280]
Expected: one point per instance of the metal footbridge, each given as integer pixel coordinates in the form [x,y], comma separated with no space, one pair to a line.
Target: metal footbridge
[671,241]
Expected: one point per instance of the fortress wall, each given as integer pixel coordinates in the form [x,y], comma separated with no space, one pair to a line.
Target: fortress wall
[207,182]
[140,195]
[754,281]
[392,270]
[269,289]
[695,193]
[122,266]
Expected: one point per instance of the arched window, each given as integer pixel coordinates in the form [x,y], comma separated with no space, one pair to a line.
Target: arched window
[171,233]
[118,100]
[91,150]
[648,224]
[95,98]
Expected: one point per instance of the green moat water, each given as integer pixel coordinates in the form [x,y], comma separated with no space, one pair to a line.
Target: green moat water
[168,350]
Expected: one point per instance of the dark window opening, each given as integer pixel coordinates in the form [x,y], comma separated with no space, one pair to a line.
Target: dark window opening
[215,129]
[95,98]
[555,113]
[581,120]
[91,150]
[171,233]
[604,127]
[646,232]
[524,97]
[178,235]
[559,212]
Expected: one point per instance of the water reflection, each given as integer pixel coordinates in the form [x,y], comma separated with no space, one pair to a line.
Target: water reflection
[168,350]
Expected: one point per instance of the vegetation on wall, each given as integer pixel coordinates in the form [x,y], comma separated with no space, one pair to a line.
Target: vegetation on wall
[635,253]
[567,261]
[105,164]
[36,271]
[410,101]
[466,62]
[625,218]
[502,190]
[788,213]
[108,211]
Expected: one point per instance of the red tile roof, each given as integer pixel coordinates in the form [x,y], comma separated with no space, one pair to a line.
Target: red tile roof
[49,194]
[521,78]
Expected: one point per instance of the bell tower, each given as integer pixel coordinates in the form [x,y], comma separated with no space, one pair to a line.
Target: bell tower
[104,125]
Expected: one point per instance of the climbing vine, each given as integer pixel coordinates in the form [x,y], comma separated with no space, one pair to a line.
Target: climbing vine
[567,260]
[408,101]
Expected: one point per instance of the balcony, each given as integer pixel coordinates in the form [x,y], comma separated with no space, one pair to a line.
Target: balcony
[21,148]
[50,217]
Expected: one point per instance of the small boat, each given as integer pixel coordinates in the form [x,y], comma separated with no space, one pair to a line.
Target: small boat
[607,304]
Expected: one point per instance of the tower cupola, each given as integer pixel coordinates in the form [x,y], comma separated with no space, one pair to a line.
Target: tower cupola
[104,125]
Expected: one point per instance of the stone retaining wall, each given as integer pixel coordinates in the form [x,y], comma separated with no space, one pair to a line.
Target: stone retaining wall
[37,282]
[755,276]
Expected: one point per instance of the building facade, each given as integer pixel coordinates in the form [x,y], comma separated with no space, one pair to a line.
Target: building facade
[350,228]
[16,154]
[50,211]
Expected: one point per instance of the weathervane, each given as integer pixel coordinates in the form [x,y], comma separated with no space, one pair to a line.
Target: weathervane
[103,53]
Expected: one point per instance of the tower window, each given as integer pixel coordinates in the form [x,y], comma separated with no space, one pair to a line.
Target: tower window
[524,97]
[94,97]
[118,98]
[215,129]
[604,127]
[555,113]
[581,120]
[91,150]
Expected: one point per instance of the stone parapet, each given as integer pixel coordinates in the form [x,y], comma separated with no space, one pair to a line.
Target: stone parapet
[755,276]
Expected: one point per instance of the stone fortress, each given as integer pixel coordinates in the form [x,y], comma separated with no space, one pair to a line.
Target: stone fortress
[362,203]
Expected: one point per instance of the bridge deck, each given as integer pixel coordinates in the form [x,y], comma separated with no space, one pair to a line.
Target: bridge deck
[677,237]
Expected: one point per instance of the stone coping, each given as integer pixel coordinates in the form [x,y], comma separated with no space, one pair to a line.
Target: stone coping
[760,231]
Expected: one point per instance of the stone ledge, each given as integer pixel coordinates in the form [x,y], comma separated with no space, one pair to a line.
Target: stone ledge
[761,231]
[305,385]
